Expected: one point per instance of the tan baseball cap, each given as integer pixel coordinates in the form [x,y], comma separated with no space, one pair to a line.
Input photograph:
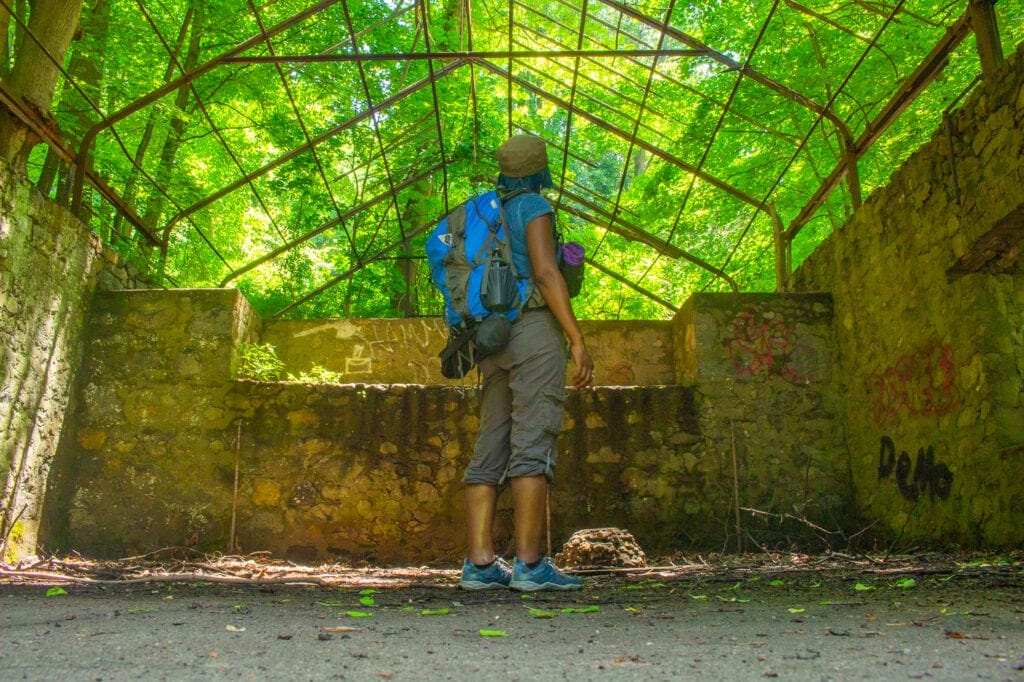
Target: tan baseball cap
[521,156]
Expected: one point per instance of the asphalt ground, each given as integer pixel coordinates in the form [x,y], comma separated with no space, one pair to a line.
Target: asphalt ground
[906,620]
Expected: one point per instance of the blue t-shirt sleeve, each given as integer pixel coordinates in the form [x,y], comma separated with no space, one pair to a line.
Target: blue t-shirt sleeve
[529,206]
[520,211]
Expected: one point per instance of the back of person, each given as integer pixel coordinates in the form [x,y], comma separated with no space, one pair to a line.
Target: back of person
[523,394]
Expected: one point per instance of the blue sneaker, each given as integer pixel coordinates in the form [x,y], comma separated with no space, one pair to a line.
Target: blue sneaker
[544,577]
[493,577]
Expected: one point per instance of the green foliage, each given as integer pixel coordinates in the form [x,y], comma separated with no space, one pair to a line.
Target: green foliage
[315,169]
[259,362]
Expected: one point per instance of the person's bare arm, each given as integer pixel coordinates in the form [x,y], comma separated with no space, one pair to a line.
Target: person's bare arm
[549,281]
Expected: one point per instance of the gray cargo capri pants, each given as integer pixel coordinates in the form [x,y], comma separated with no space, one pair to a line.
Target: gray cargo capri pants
[522,403]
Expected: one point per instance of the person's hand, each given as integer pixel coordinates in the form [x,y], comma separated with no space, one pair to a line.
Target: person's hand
[583,374]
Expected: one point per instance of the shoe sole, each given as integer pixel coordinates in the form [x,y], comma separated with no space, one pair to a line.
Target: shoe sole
[477,585]
[527,586]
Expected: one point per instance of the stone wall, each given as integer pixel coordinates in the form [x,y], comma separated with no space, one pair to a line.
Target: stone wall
[764,370]
[373,471]
[929,306]
[152,439]
[405,351]
[49,266]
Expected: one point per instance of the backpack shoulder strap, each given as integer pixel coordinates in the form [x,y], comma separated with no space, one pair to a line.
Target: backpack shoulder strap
[505,194]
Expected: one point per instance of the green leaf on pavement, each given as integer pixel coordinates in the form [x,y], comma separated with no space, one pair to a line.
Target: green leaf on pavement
[358,614]
[493,633]
[56,592]
[541,613]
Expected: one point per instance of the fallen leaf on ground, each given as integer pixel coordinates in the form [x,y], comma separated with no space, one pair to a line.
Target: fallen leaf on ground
[493,633]
[954,634]
[358,614]
[581,609]
[56,592]
[541,613]
[234,628]
[434,612]
[340,628]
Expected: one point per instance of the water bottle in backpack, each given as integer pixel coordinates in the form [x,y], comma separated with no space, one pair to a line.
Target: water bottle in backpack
[499,291]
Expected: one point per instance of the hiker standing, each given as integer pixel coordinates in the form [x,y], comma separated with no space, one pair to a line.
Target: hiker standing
[523,396]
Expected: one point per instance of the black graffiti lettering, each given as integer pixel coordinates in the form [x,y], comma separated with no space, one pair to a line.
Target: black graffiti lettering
[913,479]
[903,472]
[886,458]
[942,482]
[937,479]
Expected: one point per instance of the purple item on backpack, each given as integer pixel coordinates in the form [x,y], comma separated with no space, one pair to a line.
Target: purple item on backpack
[571,267]
[572,253]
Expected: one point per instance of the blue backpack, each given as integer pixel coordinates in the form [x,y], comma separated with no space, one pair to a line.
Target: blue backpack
[470,260]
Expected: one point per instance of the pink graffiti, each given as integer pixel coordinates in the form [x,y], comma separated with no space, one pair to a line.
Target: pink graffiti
[761,346]
[919,383]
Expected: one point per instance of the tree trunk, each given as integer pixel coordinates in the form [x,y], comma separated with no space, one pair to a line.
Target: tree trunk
[5,43]
[413,217]
[34,76]
[154,116]
[85,69]
[155,205]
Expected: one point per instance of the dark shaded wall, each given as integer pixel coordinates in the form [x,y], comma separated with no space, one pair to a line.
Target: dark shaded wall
[929,307]
[49,267]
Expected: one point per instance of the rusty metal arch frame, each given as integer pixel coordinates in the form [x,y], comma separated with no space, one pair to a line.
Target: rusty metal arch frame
[979,16]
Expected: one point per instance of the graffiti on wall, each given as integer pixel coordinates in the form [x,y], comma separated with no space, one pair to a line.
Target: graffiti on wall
[761,344]
[919,383]
[914,478]
[362,350]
